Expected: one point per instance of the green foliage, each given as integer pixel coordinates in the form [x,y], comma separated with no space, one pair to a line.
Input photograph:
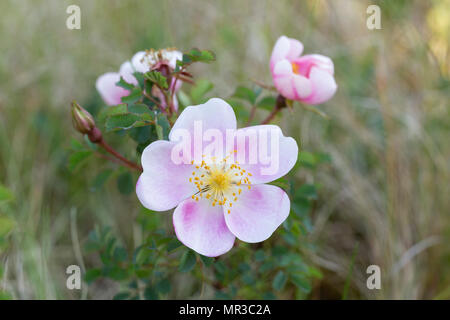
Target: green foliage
[196,55]
[125,183]
[188,261]
[5,194]
[279,281]
[157,78]
[245,94]
[199,91]
[123,84]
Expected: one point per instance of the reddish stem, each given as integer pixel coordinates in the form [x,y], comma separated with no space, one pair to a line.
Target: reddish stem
[279,104]
[124,160]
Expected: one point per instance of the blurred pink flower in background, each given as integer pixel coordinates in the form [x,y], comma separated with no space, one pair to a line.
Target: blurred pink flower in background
[218,201]
[307,78]
[141,62]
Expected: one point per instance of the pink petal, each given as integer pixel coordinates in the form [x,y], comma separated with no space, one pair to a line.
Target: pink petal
[214,114]
[201,227]
[306,63]
[258,213]
[302,86]
[285,48]
[323,86]
[295,49]
[106,86]
[163,184]
[140,62]
[175,55]
[280,51]
[126,71]
[276,154]
[283,79]
[283,68]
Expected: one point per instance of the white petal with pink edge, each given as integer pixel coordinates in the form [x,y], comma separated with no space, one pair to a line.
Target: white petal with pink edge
[258,213]
[276,154]
[214,114]
[126,71]
[285,48]
[163,184]
[323,86]
[106,87]
[201,227]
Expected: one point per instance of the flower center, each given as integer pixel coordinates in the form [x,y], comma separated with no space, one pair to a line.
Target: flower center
[295,68]
[220,182]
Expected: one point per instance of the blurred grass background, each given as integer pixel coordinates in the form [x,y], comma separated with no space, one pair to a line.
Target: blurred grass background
[388,133]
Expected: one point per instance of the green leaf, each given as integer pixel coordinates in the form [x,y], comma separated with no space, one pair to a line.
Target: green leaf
[5,194]
[259,255]
[123,84]
[122,296]
[301,283]
[134,96]
[92,274]
[140,78]
[307,159]
[116,273]
[307,191]
[6,225]
[142,255]
[125,183]
[142,135]
[267,103]
[120,254]
[200,89]
[157,78]
[183,99]
[245,94]
[125,122]
[172,245]
[196,55]
[76,145]
[76,158]
[279,281]
[111,111]
[162,127]
[4,295]
[314,272]
[311,160]
[188,261]
[140,109]
[100,179]
[150,294]
[163,286]
[207,261]
[301,206]
[283,183]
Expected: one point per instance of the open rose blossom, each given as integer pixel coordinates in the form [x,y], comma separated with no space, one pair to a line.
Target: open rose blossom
[217,198]
[141,62]
[307,78]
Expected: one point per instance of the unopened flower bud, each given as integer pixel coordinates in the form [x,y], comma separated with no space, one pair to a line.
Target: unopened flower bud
[82,120]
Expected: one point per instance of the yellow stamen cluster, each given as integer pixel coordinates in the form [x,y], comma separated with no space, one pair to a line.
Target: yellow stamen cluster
[295,68]
[152,56]
[220,182]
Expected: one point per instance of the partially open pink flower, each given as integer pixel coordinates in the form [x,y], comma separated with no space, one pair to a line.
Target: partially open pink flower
[307,78]
[217,198]
[141,62]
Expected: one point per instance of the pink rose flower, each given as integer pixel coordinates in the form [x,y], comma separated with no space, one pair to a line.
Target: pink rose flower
[142,62]
[217,200]
[307,78]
